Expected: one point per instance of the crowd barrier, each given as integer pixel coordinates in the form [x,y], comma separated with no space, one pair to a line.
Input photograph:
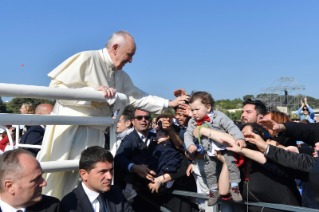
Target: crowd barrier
[40,92]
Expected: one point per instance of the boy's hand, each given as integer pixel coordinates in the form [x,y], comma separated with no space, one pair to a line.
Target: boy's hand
[192,148]
[241,143]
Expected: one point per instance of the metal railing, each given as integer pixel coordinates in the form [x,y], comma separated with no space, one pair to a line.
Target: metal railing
[40,92]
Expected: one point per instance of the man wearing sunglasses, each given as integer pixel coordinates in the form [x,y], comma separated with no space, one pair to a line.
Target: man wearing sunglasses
[134,148]
[135,144]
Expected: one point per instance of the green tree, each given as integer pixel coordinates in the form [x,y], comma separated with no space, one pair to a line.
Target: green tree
[233,116]
[15,104]
[3,108]
[249,96]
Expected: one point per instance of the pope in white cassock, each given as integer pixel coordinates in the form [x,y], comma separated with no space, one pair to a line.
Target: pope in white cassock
[96,70]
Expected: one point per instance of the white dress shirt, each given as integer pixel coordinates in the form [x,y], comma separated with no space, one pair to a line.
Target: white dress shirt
[8,208]
[92,195]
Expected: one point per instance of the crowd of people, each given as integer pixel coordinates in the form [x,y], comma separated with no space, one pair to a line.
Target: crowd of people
[266,158]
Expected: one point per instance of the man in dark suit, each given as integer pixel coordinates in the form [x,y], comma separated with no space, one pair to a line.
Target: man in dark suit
[21,184]
[34,135]
[95,193]
[134,151]
[136,144]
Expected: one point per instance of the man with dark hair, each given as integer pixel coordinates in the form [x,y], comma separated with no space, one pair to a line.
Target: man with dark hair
[21,184]
[134,144]
[123,128]
[253,111]
[95,193]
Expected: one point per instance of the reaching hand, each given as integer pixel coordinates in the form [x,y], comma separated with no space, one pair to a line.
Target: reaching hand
[154,186]
[231,146]
[292,149]
[269,124]
[179,100]
[220,157]
[180,92]
[186,110]
[257,140]
[166,124]
[189,170]
[241,143]
[107,92]
[144,172]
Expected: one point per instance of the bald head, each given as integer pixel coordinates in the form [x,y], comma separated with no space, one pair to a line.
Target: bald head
[44,109]
[11,165]
[21,179]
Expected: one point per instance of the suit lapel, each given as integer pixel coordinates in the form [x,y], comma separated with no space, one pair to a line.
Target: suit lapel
[83,200]
[110,199]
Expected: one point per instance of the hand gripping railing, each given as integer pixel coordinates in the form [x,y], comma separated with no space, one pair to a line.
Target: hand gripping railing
[40,92]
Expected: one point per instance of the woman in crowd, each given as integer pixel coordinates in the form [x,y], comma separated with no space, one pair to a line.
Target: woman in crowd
[26,108]
[280,140]
[307,112]
[163,149]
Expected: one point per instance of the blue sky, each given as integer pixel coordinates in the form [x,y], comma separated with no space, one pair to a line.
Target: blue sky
[228,48]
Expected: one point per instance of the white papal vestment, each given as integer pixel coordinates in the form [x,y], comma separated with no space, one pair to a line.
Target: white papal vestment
[85,70]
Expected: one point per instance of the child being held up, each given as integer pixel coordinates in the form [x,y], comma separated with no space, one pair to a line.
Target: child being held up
[203,121]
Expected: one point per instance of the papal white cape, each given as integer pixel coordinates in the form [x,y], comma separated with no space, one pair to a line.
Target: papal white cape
[85,70]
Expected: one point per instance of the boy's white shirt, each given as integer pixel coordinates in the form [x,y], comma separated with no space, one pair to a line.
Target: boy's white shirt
[213,146]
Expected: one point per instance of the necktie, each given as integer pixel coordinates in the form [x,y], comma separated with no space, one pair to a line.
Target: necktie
[101,200]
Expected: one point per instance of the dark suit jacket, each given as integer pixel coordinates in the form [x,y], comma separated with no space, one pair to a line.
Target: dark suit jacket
[133,148]
[47,204]
[78,201]
[34,135]
[308,133]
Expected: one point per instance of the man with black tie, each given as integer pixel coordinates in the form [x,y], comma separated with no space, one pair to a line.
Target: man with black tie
[95,193]
[21,184]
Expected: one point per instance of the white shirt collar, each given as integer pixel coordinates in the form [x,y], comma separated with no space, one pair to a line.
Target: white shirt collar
[8,208]
[92,195]
[142,136]
[210,114]
[107,59]
[108,56]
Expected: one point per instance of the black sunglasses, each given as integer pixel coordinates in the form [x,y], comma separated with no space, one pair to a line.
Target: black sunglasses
[250,100]
[141,117]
